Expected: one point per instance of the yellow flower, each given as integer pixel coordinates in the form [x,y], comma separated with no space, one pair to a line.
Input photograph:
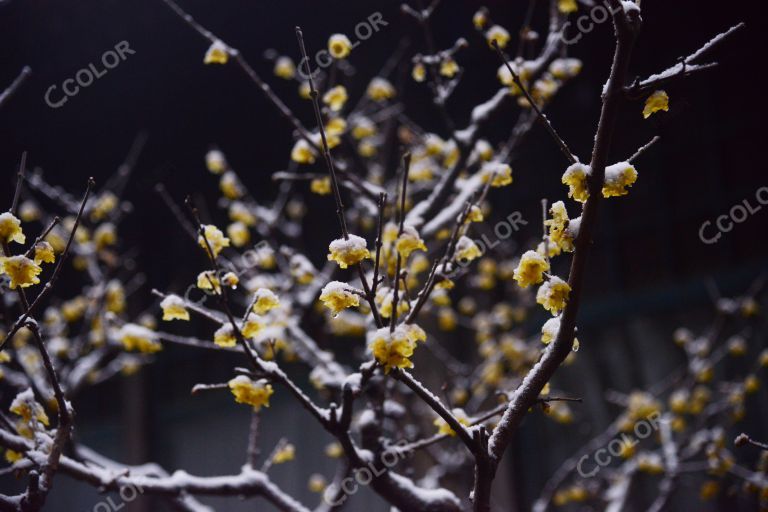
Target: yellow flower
[336,97]
[657,101]
[22,271]
[751,384]
[225,336]
[286,453]
[215,239]
[380,89]
[25,406]
[414,332]
[617,178]
[215,161]
[217,53]
[252,326]
[392,349]
[252,392]
[449,67]
[303,152]
[230,186]
[444,429]
[339,46]
[103,206]
[336,126]
[553,295]
[334,450]
[531,269]
[467,250]
[238,212]
[230,279]
[550,329]
[302,269]
[137,337]
[446,319]
[576,178]
[567,6]
[114,297]
[419,72]
[362,128]
[409,241]
[483,150]
[499,34]
[562,230]
[10,229]
[650,463]
[499,174]
[238,233]
[317,483]
[174,308]
[28,211]
[480,18]
[12,456]
[44,253]
[105,235]
[338,296]
[563,69]
[208,281]
[348,251]
[264,301]
[285,68]
[321,186]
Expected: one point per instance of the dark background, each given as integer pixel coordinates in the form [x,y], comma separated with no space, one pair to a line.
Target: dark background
[648,260]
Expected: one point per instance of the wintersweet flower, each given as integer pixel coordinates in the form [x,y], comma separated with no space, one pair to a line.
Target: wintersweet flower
[391,349]
[218,53]
[499,174]
[103,206]
[550,329]
[230,186]
[208,281]
[480,18]
[409,241]
[238,233]
[449,67]
[139,338]
[617,178]
[44,253]
[531,269]
[213,237]
[336,97]
[339,46]
[561,232]
[363,127]
[25,406]
[252,326]
[239,212]
[565,68]
[349,251]
[215,161]
[225,336]
[321,186]
[444,429]
[567,6]
[10,229]
[174,308]
[252,392]
[29,211]
[419,72]
[336,126]
[385,297]
[22,271]
[230,279]
[414,332]
[553,295]
[285,68]
[286,453]
[303,152]
[499,34]
[576,178]
[657,101]
[338,296]
[380,89]
[467,250]
[265,300]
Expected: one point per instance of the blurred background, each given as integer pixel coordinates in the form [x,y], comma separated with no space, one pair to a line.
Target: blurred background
[649,271]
